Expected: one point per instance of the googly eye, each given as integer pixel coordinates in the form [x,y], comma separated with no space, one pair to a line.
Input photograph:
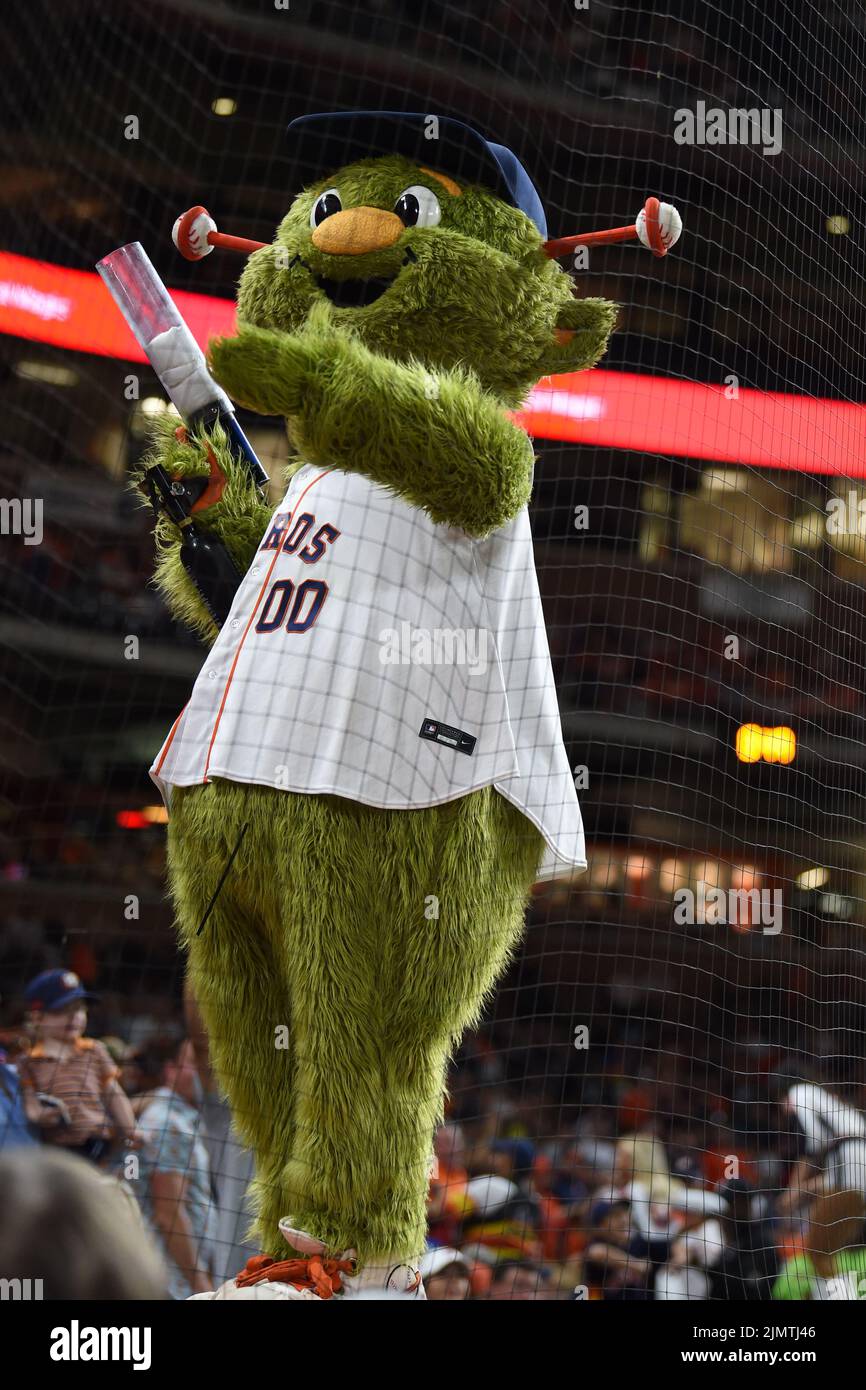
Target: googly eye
[325,205]
[418,207]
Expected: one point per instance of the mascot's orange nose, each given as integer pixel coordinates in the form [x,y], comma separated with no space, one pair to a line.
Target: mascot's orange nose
[356,230]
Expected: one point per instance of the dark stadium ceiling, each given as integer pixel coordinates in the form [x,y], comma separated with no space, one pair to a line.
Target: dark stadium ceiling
[757,287]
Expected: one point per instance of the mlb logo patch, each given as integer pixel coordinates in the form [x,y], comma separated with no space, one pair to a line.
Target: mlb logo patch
[457,739]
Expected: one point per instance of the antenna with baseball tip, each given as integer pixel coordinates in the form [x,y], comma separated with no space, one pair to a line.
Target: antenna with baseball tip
[658,227]
[195,235]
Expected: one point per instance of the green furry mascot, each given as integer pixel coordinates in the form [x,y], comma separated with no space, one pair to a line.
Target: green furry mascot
[369,775]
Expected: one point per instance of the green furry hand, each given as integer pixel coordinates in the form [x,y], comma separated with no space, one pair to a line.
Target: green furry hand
[180,458]
[238,515]
[273,373]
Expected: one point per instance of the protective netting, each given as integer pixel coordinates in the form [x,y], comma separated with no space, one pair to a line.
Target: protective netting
[666,1090]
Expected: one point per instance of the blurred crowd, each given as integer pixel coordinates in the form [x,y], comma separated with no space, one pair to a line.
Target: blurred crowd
[652,1188]
[87,847]
[647,674]
[94,584]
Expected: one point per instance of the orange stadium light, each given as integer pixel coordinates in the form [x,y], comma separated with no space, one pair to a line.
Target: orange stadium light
[755,744]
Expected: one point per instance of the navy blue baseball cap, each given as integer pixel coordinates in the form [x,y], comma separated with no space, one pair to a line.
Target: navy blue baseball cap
[330,139]
[54,989]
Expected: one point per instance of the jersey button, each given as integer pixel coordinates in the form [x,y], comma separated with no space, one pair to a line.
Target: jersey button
[236,622]
[211,675]
[254,572]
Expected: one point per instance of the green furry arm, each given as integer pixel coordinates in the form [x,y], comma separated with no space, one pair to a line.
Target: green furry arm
[436,438]
[239,518]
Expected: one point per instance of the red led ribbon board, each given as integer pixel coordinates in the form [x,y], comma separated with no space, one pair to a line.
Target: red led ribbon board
[73,309]
[614,410]
[657,415]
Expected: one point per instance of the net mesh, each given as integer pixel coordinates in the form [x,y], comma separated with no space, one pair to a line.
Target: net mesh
[658,1034]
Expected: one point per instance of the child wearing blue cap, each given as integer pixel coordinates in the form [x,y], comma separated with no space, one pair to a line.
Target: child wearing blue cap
[90,1106]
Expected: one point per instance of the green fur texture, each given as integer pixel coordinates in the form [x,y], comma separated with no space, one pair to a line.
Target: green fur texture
[439,441]
[239,518]
[479,294]
[346,953]
[411,389]
[325,926]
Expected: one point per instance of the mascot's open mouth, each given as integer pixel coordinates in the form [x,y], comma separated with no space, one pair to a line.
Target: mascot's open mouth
[357,294]
[354,294]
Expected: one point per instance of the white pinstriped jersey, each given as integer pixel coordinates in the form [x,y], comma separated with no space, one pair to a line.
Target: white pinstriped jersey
[373,654]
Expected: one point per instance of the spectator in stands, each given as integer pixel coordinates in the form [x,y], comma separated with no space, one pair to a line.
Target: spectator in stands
[15,1125]
[748,1262]
[833,1264]
[612,1270]
[75,1070]
[694,1253]
[552,1213]
[175,1181]
[501,1224]
[68,1225]
[662,1206]
[518,1281]
[448,1204]
[446,1275]
[834,1135]
[231,1163]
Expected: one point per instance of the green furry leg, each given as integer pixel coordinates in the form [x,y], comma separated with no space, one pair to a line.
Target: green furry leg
[383,933]
[236,974]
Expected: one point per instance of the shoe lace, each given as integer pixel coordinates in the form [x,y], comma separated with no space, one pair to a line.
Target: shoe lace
[323,1276]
